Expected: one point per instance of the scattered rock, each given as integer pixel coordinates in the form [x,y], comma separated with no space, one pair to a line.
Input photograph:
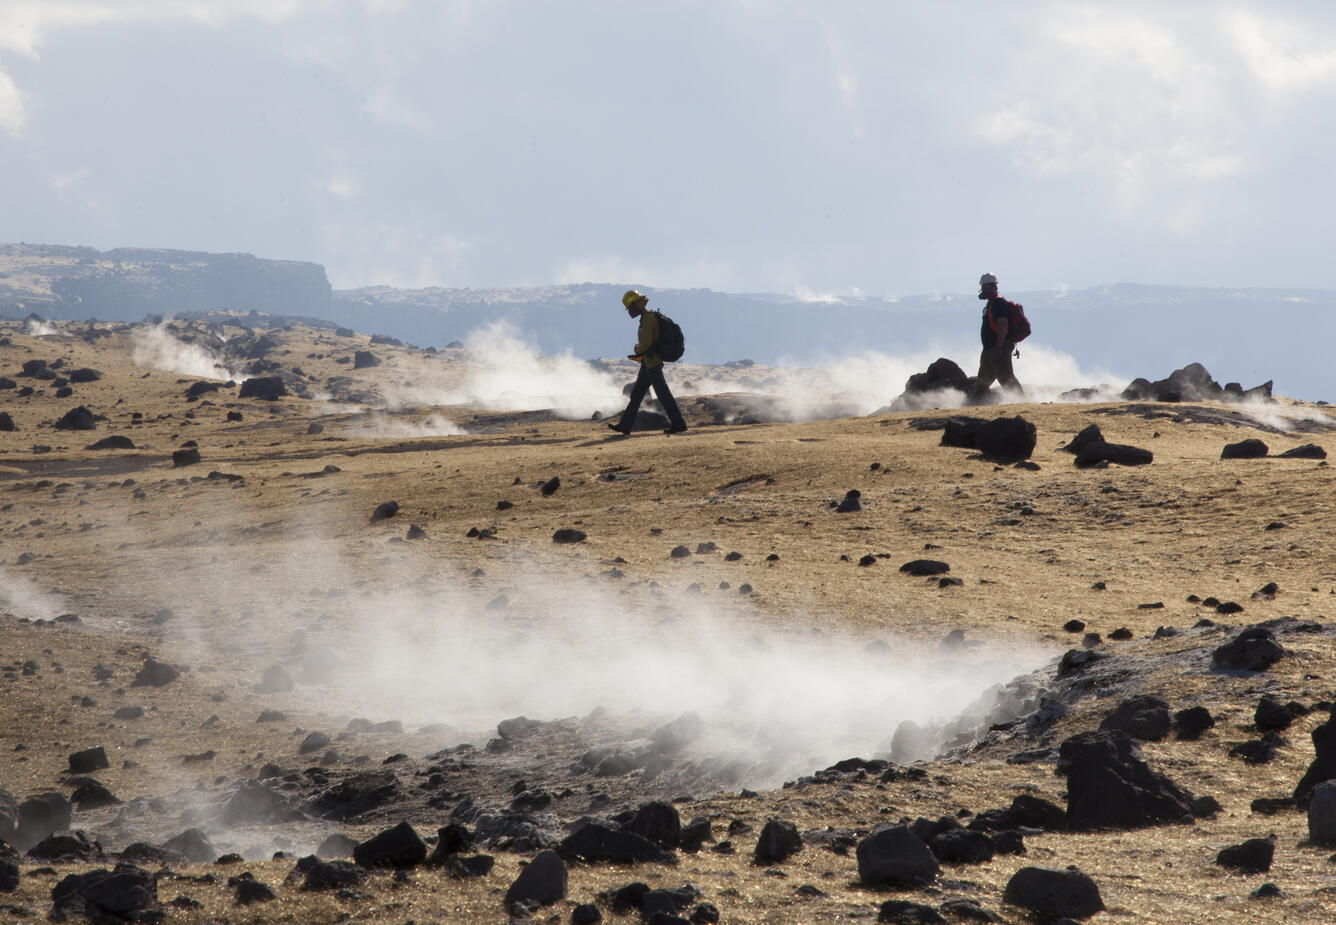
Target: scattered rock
[127,893]
[365,359]
[1052,893]
[1245,449]
[925,567]
[114,442]
[1307,451]
[329,875]
[1092,454]
[569,535]
[264,388]
[1189,724]
[541,882]
[894,856]
[186,456]
[79,418]
[596,842]
[397,847]
[853,502]
[1003,439]
[384,511]
[903,912]
[1110,787]
[1254,649]
[1254,856]
[155,674]
[1143,717]
[89,760]
[549,488]
[778,842]
[193,845]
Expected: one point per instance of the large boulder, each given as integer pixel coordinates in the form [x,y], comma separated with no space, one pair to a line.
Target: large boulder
[41,815]
[1007,439]
[397,847]
[1051,893]
[1254,649]
[123,894]
[894,856]
[1323,767]
[541,882]
[265,388]
[79,418]
[1191,383]
[1098,451]
[778,842]
[596,842]
[1110,787]
[924,390]
[1143,717]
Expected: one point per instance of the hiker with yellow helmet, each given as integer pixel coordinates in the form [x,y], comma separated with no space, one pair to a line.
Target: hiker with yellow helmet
[651,370]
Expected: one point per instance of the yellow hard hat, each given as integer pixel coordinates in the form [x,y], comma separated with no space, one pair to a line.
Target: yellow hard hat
[632,297]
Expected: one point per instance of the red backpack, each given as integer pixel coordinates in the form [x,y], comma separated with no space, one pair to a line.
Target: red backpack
[1018,326]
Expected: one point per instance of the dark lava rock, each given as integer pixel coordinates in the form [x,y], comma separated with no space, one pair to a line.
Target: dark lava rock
[1245,449]
[1143,717]
[925,567]
[83,375]
[9,876]
[114,442]
[396,847]
[65,847]
[200,388]
[6,422]
[778,842]
[365,359]
[1005,439]
[569,535]
[657,821]
[476,865]
[679,552]
[313,743]
[853,502]
[265,388]
[329,875]
[894,856]
[903,912]
[1110,787]
[89,760]
[542,881]
[1076,660]
[41,815]
[249,890]
[1307,451]
[186,456]
[126,893]
[695,834]
[1323,767]
[1052,893]
[254,802]
[1029,811]
[276,680]
[586,914]
[79,418]
[1254,649]
[962,846]
[1089,435]
[1189,724]
[1073,626]
[92,794]
[384,511]
[451,839]
[1267,592]
[155,674]
[337,845]
[1271,714]
[1092,454]
[416,532]
[193,845]
[550,487]
[1252,857]
[595,842]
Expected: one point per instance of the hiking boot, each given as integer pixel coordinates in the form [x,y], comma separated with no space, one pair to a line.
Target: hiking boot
[676,429]
[624,431]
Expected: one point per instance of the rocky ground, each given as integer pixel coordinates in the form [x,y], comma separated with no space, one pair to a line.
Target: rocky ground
[343,654]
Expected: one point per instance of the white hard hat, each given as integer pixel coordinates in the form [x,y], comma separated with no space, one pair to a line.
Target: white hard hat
[987,279]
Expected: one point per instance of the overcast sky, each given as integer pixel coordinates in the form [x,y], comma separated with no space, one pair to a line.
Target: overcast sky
[876,147]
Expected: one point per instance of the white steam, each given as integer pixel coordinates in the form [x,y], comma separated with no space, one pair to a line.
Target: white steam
[35,328]
[1285,417]
[22,598]
[156,346]
[506,373]
[386,426]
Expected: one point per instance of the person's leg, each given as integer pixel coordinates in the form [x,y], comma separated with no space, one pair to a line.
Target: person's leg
[627,421]
[1006,377]
[665,397]
[985,377]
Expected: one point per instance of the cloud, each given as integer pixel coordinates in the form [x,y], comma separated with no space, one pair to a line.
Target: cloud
[1286,57]
[63,182]
[13,106]
[387,253]
[393,110]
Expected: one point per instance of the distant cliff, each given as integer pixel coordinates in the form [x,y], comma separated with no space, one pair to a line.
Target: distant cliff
[125,284]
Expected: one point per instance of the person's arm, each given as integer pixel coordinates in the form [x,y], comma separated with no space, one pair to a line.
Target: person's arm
[649,333]
[1002,333]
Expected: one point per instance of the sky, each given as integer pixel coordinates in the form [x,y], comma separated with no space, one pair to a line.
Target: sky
[811,148]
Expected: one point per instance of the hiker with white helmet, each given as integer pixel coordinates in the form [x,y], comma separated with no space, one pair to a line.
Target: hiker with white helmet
[1004,323]
[651,368]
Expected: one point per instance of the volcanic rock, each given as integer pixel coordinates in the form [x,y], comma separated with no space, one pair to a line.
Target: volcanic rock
[658,822]
[1004,439]
[89,760]
[155,674]
[200,388]
[1307,451]
[9,876]
[1087,436]
[596,842]
[1094,453]
[1026,810]
[962,846]
[941,374]
[186,456]
[384,511]
[41,815]
[65,847]
[83,375]
[778,842]
[852,502]
[1271,714]
[364,359]
[924,567]
[79,418]
[904,912]
[254,802]
[1052,893]
[127,893]
[276,680]
[265,388]
[1144,717]
[6,422]
[1254,856]
[1110,787]
[114,442]
[249,890]
[396,847]
[550,487]
[542,881]
[9,816]
[569,535]
[1245,449]
[355,795]
[893,856]
[1254,649]
[337,845]
[1189,724]
[329,875]
[193,845]
[313,743]
[1323,767]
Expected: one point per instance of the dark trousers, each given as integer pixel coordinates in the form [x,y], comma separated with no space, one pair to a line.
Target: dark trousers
[651,376]
[994,365]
